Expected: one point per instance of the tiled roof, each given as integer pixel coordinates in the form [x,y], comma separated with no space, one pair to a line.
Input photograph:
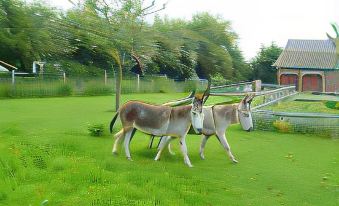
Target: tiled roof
[308,54]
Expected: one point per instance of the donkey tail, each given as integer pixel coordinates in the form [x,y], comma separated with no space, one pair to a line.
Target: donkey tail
[113,121]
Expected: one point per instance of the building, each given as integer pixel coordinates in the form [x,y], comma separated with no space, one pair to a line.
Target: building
[310,65]
[3,69]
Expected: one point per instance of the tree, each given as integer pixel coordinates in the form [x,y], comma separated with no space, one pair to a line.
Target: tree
[210,42]
[218,53]
[118,29]
[27,34]
[174,51]
[262,63]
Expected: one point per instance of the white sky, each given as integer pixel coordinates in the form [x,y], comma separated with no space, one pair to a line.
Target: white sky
[259,22]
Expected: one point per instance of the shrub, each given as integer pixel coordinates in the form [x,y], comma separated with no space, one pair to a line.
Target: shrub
[5,90]
[93,89]
[64,90]
[96,130]
[282,126]
[332,104]
[3,196]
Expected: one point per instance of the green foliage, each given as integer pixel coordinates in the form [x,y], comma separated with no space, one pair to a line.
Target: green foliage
[262,63]
[29,33]
[282,126]
[35,88]
[95,35]
[94,88]
[3,196]
[64,90]
[332,104]
[25,88]
[95,130]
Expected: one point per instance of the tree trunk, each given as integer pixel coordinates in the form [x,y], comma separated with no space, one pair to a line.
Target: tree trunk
[118,80]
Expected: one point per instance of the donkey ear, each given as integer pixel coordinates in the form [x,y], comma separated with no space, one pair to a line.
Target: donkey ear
[250,98]
[192,94]
[245,98]
[205,98]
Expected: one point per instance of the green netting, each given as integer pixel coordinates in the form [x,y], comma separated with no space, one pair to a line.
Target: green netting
[56,85]
[308,124]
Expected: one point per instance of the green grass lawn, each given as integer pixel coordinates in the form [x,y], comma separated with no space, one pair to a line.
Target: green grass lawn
[47,154]
[301,106]
[316,106]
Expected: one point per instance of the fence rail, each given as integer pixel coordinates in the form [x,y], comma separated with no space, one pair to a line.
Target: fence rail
[266,94]
[269,97]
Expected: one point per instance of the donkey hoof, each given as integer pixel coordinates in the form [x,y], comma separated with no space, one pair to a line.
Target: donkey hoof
[235,161]
[114,153]
[156,159]
[202,156]
[190,165]
[129,158]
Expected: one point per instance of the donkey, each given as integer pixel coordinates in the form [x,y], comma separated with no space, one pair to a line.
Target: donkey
[217,118]
[159,121]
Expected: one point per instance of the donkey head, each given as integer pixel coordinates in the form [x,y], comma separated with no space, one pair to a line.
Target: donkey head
[244,113]
[197,116]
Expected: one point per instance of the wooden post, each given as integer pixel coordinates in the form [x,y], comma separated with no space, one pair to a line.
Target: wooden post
[138,82]
[105,77]
[13,77]
[324,82]
[278,76]
[64,75]
[300,81]
[256,85]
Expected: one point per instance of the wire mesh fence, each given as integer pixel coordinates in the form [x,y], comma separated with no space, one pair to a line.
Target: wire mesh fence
[61,84]
[306,123]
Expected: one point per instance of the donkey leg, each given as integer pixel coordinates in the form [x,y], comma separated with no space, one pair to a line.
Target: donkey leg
[118,139]
[168,143]
[170,149]
[223,141]
[202,146]
[184,151]
[163,142]
[151,142]
[128,135]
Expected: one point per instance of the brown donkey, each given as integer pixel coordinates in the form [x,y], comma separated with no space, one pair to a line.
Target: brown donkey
[217,118]
[159,121]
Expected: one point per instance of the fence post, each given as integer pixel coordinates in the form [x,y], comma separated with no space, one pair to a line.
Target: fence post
[64,75]
[138,82]
[256,85]
[105,77]
[13,76]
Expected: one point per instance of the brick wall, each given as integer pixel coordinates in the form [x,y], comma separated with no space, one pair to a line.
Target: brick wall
[332,81]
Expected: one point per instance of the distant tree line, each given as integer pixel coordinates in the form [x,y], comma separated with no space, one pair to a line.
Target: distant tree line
[96,35]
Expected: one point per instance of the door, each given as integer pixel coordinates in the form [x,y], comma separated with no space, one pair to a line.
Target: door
[289,79]
[312,82]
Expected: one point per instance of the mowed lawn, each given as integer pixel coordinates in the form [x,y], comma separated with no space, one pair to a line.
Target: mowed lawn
[47,155]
